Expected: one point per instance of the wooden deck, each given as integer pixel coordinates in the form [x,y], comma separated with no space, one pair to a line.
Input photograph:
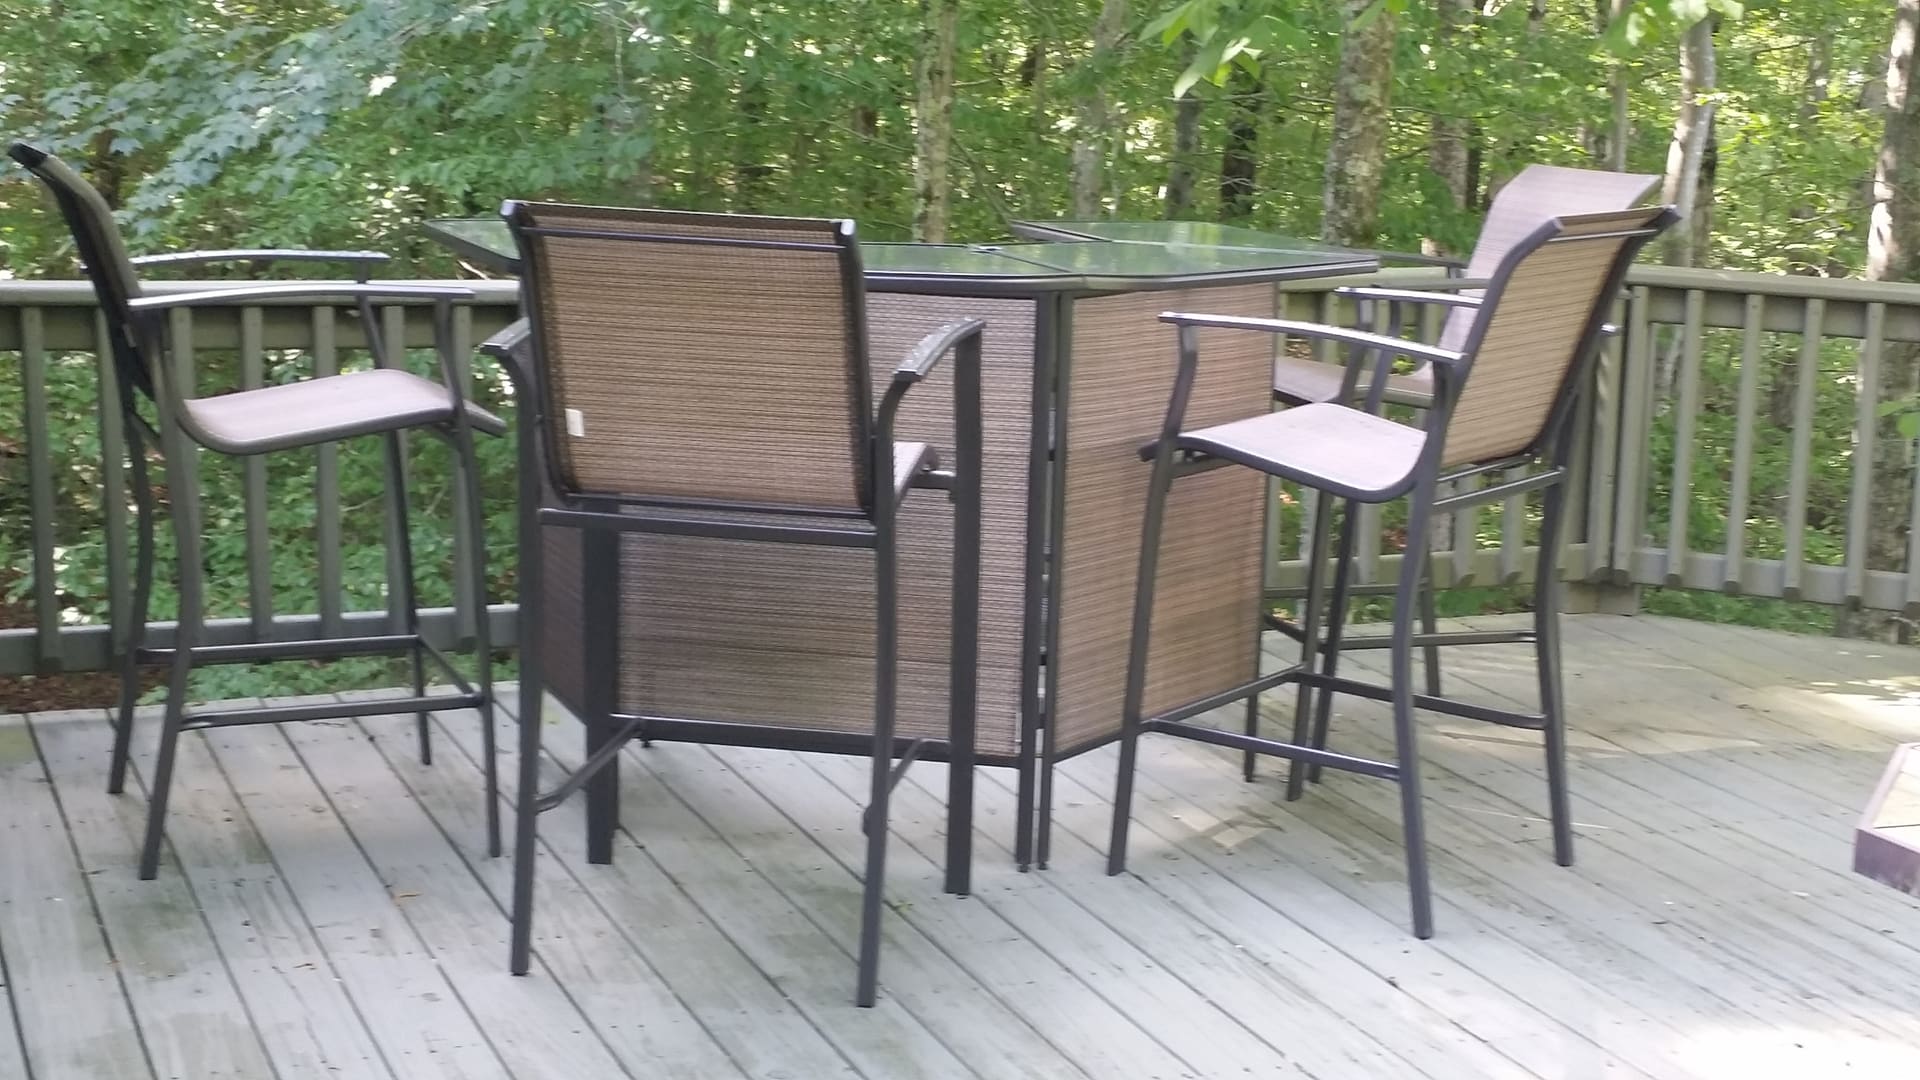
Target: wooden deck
[326,911]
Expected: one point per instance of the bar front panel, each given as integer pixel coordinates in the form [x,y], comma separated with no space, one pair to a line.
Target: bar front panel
[1120,374]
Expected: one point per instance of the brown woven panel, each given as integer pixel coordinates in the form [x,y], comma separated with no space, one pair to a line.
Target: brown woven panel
[1208,594]
[1530,342]
[563,618]
[698,370]
[783,634]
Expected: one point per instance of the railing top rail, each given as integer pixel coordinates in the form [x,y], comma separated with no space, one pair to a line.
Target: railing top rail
[1742,282]
[53,294]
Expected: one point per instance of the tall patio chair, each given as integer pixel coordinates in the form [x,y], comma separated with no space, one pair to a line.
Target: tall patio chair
[1535,195]
[1502,401]
[384,401]
[704,377]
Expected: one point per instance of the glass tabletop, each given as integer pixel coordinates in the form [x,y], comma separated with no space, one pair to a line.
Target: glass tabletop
[1193,233]
[1069,263]
[1138,259]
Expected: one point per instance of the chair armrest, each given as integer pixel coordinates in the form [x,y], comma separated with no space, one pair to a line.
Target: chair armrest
[510,344]
[1437,284]
[1316,331]
[363,259]
[300,290]
[921,359]
[1406,296]
[963,334]
[919,362]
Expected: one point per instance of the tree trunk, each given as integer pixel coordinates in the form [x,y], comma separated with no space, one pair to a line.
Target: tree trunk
[933,140]
[1686,163]
[1184,169]
[751,172]
[1619,93]
[1093,120]
[1687,152]
[1786,371]
[1356,155]
[1447,141]
[1893,254]
[1240,157]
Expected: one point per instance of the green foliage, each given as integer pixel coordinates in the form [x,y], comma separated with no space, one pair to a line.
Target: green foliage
[344,123]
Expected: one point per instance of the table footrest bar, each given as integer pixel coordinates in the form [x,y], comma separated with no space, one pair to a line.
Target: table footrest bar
[314,648]
[579,777]
[446,667]
[1299,592]
[1449,706]
[329,710]
[802,739]
[1450,637]
[1239,693]
[1385,770]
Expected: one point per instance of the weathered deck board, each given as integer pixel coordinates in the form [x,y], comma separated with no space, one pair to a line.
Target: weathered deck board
[194,1019]
[636,1011]
[73,1011]
[760,1028]
[327,907]
[300,1001]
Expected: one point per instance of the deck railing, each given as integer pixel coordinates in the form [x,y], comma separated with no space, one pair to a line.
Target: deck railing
[62,467]
[1727,445]
[1749,401]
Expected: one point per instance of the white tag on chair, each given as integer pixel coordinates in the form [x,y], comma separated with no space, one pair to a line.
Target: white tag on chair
[576,423]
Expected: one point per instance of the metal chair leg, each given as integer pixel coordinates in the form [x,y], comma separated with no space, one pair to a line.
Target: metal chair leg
[886,646]
[599,587]
[1405,732]
[475,525]
[1336,628]
[1429,625]
[526,811]
[405,605]
[136,628]
[1133,702]
[1546,627]
[1311,608]
[184,488]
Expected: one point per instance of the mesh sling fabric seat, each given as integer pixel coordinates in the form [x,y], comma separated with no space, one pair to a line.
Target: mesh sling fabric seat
[385,401]
[1503,401]
[699,384]
[1535,195]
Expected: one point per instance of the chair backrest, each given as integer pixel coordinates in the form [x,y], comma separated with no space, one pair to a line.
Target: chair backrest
[1534,339]
[699,358]
[102,254]
[1537,195]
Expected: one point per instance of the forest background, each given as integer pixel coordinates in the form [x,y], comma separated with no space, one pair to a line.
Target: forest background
[1784,131]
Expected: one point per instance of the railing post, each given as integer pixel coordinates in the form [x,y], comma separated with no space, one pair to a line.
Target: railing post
[1600,598]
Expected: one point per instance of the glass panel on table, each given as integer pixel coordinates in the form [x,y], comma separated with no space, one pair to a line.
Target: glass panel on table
[488,233]
[1098,259]
[1197,233]
[946,260]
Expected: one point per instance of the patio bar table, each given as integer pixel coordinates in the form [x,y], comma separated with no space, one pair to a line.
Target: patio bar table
[1075,372]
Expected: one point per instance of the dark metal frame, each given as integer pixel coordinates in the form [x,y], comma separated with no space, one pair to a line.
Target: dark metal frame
[1550,451]
[546,502]
[145,366]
